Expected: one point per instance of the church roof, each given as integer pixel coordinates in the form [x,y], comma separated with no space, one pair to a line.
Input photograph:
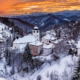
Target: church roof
[48,36]
[35,28]
[36,43]
[29,38]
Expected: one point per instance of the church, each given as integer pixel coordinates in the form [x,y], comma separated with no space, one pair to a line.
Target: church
[33,40]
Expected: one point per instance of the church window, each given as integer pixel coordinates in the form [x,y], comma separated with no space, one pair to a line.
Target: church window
[35,52]
[37,31]
[34,31]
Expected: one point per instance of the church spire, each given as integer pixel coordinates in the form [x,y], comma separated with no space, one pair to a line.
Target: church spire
[35,27]
[35,22]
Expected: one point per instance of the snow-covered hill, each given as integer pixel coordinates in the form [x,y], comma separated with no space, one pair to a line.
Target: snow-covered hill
[62,68]
[5,38]
[4,31]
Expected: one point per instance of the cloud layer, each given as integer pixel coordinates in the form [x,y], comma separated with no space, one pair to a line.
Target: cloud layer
[16,7]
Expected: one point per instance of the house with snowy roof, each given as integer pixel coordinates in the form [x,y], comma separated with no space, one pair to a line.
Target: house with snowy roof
[47,49]
[48,38]
[48,41]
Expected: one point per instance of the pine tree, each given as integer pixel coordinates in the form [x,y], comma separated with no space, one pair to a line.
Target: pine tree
[59,34]
[76,75]
[7,56]
[27,54]
[70,51]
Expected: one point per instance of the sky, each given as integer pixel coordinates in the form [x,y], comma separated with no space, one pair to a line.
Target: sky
[19,7]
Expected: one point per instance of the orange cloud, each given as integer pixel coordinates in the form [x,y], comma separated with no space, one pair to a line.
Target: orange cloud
[13,7]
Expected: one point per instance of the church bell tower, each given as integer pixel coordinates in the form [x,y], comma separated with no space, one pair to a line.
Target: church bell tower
[36,32]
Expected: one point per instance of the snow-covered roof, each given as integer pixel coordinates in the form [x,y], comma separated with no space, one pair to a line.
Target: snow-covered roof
[78,45]
[71,41]
[35,27]
[10,28]
[48,36]
[47,46]
[36,43]
[48,32]
[56,41]
[29,38]
[52,38]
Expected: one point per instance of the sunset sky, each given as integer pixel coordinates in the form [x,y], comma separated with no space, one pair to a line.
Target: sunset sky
[18,7]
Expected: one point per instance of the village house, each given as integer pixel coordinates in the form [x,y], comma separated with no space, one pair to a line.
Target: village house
[49,37]
[47,49]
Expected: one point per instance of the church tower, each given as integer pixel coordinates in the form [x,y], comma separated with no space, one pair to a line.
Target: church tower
[36,32]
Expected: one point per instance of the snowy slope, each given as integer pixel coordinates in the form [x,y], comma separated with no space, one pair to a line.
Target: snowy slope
[2,79]
[61,67]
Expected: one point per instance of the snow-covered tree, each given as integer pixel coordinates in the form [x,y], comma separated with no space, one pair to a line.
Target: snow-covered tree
[27,54]
[7,56]
[54,76]
[76,75]
[39,77]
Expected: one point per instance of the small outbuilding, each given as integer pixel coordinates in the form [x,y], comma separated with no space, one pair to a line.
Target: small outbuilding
[47,49]
[48,39]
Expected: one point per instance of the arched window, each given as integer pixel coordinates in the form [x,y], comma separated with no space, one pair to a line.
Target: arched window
[35,52]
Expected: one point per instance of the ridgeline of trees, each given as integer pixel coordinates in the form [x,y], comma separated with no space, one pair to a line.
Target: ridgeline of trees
[7,22]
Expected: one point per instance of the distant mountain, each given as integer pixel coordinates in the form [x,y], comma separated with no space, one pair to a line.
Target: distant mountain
[70,18]
[25,26]
[47,26]
[68,13]
[42,19]
[54,19]
[73,17]
[45,20]
[60,16]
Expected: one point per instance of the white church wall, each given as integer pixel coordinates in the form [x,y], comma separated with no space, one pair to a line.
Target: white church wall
[36,34]
[47,51]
